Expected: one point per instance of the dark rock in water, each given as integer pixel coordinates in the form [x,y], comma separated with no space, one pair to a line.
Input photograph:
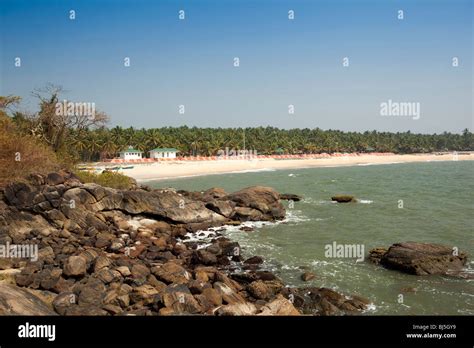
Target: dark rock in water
[290,197]
[343,198]
[424,258]
[408,289]
[307,276]
[265,275]
[254,260]
[246,228]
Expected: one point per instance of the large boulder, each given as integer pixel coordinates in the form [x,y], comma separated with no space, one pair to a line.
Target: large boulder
[290,197]
[424,258]
[17,301]
[264,199]
[168,206]
[343,199]
[279,306]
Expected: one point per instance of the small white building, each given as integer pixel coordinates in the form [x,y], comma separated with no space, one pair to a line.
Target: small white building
[130,154]
[163,153]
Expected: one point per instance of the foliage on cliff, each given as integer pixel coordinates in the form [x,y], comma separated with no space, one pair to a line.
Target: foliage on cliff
[21,154]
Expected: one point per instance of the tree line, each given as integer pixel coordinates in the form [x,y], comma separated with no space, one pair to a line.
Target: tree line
[89,139]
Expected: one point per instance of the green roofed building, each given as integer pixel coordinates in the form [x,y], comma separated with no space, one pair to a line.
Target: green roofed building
[163,152]
[131,153]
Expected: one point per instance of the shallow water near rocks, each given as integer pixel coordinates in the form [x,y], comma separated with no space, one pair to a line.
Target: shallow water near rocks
[438,207]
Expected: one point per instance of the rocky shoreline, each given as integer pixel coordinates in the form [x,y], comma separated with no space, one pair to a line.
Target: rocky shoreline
[103,251]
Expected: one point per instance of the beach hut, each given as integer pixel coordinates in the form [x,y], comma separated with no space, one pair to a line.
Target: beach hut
[130,154]
[163,153]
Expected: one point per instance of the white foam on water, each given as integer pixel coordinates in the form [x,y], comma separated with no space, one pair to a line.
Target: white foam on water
[365,201]
[290,268]
[200,236]
[320,263]
[370,308]
[252,171]
[366,164]
[294,217]
[307,200]
[376,164]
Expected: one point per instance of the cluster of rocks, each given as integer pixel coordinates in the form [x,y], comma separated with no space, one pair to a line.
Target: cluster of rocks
[126,252]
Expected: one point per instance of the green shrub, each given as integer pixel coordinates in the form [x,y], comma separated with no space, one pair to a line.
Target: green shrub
[22,155]
[107,179]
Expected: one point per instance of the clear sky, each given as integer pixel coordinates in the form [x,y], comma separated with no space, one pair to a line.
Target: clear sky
[190,62]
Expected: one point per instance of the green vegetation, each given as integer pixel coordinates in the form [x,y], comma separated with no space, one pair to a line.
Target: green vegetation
[105,143]
[21,154]
[75,138]
[107,179]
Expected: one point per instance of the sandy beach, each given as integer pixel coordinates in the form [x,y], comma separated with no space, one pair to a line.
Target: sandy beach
[178,169]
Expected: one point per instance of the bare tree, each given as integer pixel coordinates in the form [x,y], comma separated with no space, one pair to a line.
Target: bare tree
[53,126]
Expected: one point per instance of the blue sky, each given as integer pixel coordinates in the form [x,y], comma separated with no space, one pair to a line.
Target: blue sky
[190,62]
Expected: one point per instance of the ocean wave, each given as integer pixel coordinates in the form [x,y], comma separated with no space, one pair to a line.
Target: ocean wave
[376,163]
[307,200]
[371,307]
[366,164]
[290,268]
[252,171]
[294,216]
